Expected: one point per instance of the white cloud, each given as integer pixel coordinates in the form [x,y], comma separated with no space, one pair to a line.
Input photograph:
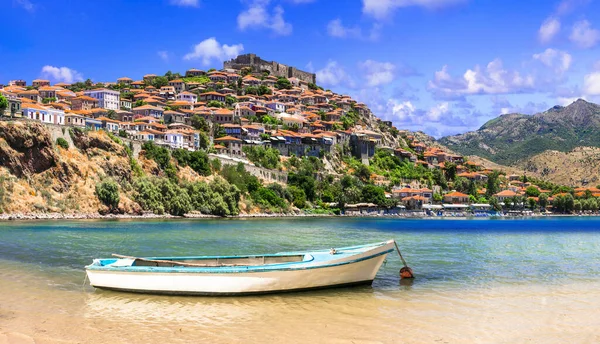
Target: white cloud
[301,1]
[558,60]
[436,112]
[493,79]
[584,35]
[336,28]
[591,84]
[566,6]
[401,110]
[61,74]
[209,49]
[550,27]
[164,55]
[382,9]
[565,101]
[333,74]
[257,16]
[377,73]
[185,3]
[25,4]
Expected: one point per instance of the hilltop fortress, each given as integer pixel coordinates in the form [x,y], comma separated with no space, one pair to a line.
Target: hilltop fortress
[259,65]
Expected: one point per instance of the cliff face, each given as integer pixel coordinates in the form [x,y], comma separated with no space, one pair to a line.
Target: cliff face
[26,149]
[38,176]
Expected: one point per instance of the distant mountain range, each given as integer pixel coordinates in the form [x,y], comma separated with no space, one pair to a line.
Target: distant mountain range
[514,138]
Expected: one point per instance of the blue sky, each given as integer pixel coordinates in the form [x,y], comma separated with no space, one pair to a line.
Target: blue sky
[441,66]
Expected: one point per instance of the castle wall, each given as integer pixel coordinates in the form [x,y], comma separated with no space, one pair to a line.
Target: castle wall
[259,65]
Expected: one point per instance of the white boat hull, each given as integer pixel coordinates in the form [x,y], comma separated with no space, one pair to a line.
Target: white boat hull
[362,272]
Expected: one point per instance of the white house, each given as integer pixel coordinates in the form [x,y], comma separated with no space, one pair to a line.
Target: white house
[44,114]
[174,139]
[107,99]
[276,106]
[187,97]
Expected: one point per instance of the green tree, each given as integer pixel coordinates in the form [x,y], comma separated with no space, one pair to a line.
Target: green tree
[532,191]
[199,123]
[493,184]
[159,82]
[461,184]
[373,194]
[577,206]
[495,204]
[543,200]
[62,143]
[363,173]
[229,100]
[3,104]
[472,189]
[215,103]
[139,102]
[283,83]
[531,202]
[450,170]
[108,193]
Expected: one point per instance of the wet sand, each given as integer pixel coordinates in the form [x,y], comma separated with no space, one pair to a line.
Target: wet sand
[34,309]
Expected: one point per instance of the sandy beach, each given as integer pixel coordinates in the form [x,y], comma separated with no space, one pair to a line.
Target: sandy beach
[32,312]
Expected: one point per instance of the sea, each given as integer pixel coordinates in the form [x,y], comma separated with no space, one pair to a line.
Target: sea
[521,280]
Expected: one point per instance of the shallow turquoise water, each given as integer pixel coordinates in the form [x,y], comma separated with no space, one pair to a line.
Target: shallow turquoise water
[443,253]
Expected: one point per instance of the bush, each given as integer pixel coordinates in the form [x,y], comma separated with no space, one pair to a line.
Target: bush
[62,143]
[108,193]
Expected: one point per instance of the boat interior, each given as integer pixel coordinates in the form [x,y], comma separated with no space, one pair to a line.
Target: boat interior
[218,262]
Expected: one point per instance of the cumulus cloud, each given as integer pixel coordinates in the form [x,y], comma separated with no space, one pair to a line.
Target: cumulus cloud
[257,16]
[583,35]
[559,61]
[377,73]
[185,3]
[334,74]
[550,27]
[336,28]
[381,9]
[492,79]
[544,72]
[591,84]
[209,50]
[61,74]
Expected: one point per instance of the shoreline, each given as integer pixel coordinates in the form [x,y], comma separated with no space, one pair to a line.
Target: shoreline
[98,216]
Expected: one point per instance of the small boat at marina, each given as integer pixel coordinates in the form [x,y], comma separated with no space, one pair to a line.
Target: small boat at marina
[241,275]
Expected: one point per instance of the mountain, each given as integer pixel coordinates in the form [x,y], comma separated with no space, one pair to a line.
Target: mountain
[581,166]
[514,137]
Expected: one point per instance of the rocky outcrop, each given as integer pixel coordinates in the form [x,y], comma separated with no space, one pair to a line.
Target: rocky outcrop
[91,143]
[26,148]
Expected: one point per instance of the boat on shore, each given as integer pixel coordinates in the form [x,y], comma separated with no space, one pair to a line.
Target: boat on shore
[241,275]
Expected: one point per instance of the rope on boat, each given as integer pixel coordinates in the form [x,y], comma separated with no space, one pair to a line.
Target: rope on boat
[406,271]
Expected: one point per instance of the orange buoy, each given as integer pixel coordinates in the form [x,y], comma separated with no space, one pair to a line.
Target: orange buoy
[406,272]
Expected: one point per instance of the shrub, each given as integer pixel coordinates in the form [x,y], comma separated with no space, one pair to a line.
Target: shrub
[62,143]
[108,193]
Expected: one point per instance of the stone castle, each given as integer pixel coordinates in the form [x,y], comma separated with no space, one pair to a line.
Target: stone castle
[259,65]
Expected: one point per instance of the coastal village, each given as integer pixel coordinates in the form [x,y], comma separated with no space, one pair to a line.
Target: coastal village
[253,105]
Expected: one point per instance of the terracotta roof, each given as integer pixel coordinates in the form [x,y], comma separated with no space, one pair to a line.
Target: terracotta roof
[506,193]
[456,194]
[227,138]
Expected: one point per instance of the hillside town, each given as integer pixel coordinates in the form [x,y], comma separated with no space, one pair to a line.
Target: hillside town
[255,104]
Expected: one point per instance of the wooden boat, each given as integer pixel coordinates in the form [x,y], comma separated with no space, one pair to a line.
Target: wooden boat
[241,275]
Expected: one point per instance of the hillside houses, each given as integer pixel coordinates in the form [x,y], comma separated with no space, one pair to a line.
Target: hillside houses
[297,121]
